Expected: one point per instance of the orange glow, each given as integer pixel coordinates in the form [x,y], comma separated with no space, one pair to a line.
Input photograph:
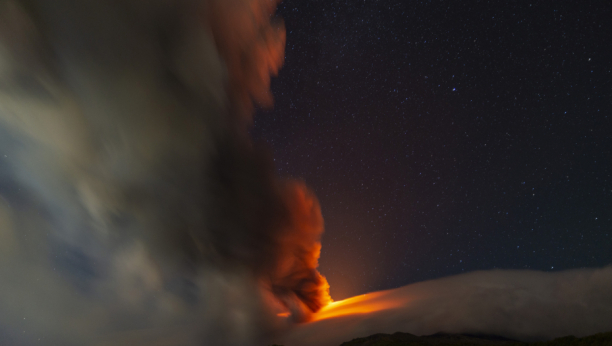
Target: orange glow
[362,304]
[283,314]
[295,280]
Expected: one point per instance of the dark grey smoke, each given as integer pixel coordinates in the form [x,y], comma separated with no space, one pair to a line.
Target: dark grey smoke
[133,208]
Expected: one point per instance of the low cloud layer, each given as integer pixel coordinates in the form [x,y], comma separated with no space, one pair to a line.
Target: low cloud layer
[522,305]
[134,210]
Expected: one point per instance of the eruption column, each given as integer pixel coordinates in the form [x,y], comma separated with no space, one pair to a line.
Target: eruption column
[134,208]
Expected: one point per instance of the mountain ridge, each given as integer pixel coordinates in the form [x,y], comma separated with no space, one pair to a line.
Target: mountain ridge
[444,339]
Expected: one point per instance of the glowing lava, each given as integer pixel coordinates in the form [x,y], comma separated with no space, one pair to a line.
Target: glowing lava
[362,304]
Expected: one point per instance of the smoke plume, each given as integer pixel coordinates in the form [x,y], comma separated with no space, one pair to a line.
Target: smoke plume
[134,210]
[521,305]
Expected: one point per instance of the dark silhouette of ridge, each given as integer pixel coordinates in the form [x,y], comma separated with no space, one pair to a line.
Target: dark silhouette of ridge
[445,339]
[406,339]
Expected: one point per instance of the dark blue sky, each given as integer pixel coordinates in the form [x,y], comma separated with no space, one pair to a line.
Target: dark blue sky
[445,137]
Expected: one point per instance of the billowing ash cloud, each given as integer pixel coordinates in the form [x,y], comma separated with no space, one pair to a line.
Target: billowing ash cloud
[134,210]
[521,305]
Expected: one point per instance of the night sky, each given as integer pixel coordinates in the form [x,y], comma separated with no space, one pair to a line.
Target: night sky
[444,137]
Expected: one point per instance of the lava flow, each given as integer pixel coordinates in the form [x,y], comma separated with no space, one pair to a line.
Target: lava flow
[362,304]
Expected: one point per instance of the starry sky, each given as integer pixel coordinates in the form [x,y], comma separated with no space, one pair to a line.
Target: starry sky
[443,137]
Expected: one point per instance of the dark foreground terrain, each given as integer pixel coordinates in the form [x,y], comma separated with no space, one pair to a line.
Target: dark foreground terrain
[441,339]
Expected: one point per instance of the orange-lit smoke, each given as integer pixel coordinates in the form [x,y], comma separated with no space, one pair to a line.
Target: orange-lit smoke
[295,280]
[252,42]
[252,46]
